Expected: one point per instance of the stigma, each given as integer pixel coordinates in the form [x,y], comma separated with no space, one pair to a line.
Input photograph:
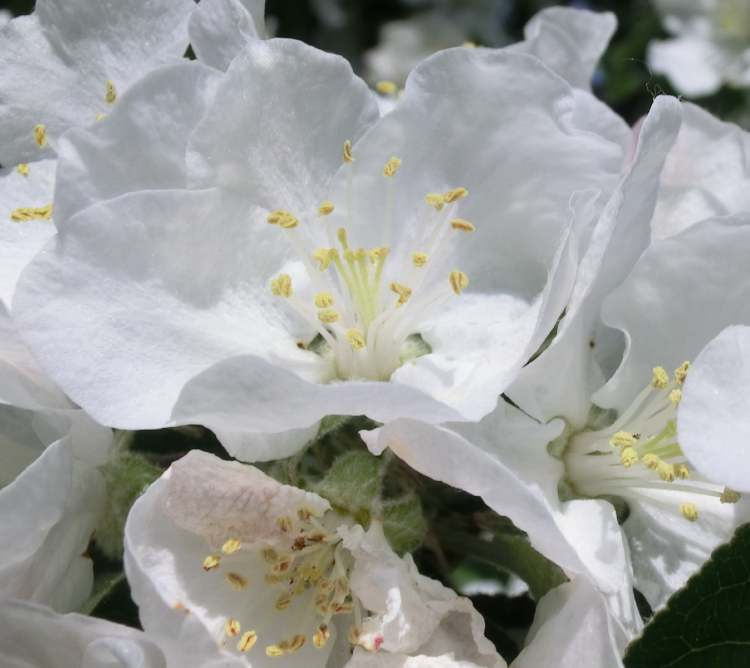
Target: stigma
[640,452]
[367,303]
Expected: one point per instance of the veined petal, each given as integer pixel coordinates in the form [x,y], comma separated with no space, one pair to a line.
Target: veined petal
[70,49]
[713,416]
[220,29]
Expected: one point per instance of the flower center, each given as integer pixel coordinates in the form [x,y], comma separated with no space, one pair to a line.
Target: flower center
[309,571]
[640,452]
[368,303]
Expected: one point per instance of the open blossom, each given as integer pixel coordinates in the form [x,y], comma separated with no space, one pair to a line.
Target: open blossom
[710,44]
[286,265]
[65,65]
[268,571]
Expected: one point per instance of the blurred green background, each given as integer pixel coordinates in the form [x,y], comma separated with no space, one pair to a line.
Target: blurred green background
[353,27]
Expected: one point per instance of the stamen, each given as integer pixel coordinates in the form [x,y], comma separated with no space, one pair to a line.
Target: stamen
[659,378]
[40,135]
[284,219]
[419,259]
[348,157]
[281,286]
[729,496]
[403,292]
[455,195]
[232,627]
[274,651]
[386,87]
[623,439]
[285,523]
[391,167]
[689,511]
[23,169]
[323,299]
[247,641]
[326,208]
[231,546]
[26,213]
[435,200]
[462,225]
[675,396]
[236,581]
[459,281]
[356,339]
[321,636]
[323,257]
[680,373]
[211,561]
[628,457]
[329,316]
[111,94]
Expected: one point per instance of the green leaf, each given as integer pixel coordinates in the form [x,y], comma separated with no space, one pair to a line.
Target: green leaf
[104,585]
[705,624]
[353,482]
[404,524]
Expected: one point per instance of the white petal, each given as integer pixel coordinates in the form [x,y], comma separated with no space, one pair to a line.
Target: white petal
[32,636]
[20,241]
[55,64]
[693,65]
[560,381]
[118,155]
[572,628]
[52,506]
[220,29]
[713,418]
[569,41]
[706,174]
[683,292]
[288,126]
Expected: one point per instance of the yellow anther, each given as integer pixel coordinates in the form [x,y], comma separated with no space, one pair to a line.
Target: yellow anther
[285,523]
[274,651]
[323,299]
[305,513]
[343,238]
[459,281]
[23,169]
[689,511]
[675,396]
[283,601]
[455,195]
[326,208]
[378,254]
[435,200]
[26,213]
[323,257]
[729,496]
[100,117]
[321,636]
[628,457]
[231,546]
[269,555]
[281,286]
[356,339]
[386,87]
[282,564]
[236,581]
[328,316]
[680,373]
[469,45]
[247,641]
[666,471]
[354,634]
[403,292]
[40,135]
[682,471]
[348,157]
[391,167]
[283,219]
[296,643]
[111,94]
[211,561]
[419,259]
[659,377]
[232,627]
[623,439]
[462,225]
[651,461]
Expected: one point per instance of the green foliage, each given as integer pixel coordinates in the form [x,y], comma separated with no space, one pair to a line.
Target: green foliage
[404,523]
[705,624]
[353,482]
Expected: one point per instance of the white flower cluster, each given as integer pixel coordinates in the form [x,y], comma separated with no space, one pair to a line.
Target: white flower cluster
[536,303]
